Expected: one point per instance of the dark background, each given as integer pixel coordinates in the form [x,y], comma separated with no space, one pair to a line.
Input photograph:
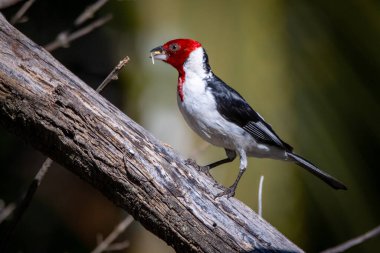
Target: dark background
[311,69]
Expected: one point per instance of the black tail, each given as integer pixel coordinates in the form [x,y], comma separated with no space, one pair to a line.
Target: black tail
[334,183]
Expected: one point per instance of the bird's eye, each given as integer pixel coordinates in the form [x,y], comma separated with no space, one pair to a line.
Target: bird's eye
[174,47]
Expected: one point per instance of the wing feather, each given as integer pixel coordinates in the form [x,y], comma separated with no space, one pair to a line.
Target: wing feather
[232,106]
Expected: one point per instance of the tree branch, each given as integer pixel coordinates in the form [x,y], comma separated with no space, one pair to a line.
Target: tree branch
[21,12]
[355,241]
[7,3]
[120,228]
[89,12]
[114,74]
[23,204]
[7,211]
[49,107]
[65,38]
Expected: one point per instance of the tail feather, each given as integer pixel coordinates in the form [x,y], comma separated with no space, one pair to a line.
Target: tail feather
[334,183]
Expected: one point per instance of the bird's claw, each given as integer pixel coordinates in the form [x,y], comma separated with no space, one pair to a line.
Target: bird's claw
[229,192]
[191,162]
[219,186]
[204,169]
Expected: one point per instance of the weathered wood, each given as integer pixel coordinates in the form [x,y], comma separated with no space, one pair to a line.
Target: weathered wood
[49,107]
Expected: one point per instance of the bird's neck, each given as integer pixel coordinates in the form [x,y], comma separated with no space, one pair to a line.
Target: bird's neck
[181,82]
[195,69]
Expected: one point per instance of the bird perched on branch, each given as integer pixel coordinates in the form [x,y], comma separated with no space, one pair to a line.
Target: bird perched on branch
[221,116]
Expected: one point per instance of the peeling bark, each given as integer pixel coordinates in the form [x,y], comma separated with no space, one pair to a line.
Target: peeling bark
[53,110]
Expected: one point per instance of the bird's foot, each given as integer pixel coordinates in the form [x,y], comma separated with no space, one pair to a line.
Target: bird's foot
[229,192]
[219,186]
[204,169]
[191,162]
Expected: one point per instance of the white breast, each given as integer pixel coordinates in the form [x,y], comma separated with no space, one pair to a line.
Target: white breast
[199,111]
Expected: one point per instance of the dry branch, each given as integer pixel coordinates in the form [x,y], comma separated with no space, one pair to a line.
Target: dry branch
[260,196]
[19,16]
[114,74]
[355,241]
[7,211]
[23,204]
[89,12]
[49,107]
[65,38]
[120,228]
[6,3]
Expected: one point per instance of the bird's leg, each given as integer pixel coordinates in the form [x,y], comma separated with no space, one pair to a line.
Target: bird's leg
[231,155]
[230,192]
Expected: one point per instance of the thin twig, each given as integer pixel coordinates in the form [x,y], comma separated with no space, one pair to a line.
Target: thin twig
[355,241]
[24,203]
[113,235]
[7,3]
[260,211]
[18,17]
[6,212]
[118,246]
[114,74]
[89,12]
[99,239]
[64,38]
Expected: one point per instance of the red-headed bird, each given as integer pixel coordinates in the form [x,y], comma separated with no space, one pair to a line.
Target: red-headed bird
[221,116]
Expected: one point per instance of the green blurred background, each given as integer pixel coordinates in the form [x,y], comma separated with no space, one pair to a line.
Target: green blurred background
[310,68]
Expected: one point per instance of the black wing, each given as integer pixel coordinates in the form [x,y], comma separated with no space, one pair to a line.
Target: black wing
[232,106]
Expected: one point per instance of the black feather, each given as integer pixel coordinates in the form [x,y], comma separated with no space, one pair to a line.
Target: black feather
[333,182]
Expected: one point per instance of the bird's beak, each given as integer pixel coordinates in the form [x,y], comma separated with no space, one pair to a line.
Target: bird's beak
[158,53]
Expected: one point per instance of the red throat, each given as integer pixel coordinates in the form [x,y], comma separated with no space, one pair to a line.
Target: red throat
[181,81]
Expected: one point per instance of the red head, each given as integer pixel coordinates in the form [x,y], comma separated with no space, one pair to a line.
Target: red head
[175,52]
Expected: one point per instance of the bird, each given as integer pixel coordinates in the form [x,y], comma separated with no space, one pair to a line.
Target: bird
[222,117]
